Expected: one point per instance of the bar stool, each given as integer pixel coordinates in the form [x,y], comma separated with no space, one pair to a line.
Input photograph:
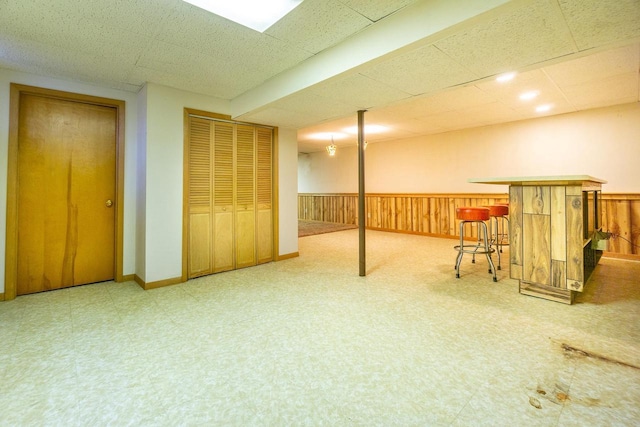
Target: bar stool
[497,215]
[476,215]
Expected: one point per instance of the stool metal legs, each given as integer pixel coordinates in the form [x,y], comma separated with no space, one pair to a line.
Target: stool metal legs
[487,249]
[499,237]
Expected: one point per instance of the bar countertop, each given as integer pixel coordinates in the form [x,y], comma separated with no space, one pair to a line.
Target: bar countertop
[543,180]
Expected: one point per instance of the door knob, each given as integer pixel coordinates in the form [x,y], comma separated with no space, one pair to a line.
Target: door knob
[109,203]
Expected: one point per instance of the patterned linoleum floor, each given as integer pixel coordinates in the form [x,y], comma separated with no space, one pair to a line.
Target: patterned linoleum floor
[307,341]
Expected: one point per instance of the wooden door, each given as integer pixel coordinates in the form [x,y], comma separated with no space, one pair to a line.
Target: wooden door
[200,214]
[264,224]
[245,206]
[223,235]
[66,193]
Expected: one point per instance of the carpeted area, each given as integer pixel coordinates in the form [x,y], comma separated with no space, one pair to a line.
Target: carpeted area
[309,228]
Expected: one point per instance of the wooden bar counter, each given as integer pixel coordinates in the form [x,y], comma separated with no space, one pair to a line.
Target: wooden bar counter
[552,220]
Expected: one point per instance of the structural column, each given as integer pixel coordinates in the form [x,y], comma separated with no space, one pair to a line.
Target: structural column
[361,205]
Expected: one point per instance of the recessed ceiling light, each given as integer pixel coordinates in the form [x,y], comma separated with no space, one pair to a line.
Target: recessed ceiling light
[505,77]
[256,14]
[367,129]
[543,108]
[527,96]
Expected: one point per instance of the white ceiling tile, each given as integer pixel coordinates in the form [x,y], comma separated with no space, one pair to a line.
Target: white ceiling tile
[359,90]
[597,22]
[376,9]
[511,41]
[144,17]
[316,25]
[595,67]
[534,81]
[420,71]
[274,116]
[620,89]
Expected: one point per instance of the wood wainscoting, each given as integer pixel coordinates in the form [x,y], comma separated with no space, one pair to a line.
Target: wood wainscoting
[434,214]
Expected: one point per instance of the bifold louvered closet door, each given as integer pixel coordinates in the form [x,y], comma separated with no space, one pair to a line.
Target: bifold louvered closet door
[230,196]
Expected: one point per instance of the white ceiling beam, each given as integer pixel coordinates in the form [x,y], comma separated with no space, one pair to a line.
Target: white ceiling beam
[422,23]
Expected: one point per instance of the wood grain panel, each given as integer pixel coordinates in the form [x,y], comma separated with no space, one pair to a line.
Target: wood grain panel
[558,274]
[66,173]
[617,220]
[515,231]
[200,241]
[536,249]
[558,224]
[223,256]
[575,242]
[536,200]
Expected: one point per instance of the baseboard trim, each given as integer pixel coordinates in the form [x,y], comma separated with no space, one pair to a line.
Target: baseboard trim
[2,296]
[287,256]
[128,277]
[158,284]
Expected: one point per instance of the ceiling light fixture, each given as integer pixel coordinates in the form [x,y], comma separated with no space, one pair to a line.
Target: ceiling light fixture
[505,77]
[543,108]
[331,149]
[255,14]
[528,96]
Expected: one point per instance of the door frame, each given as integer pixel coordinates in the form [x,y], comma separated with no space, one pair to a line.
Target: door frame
[11,248]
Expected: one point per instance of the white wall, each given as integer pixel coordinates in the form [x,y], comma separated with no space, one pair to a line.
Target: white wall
[164,163]
[604,143]
[164,173]
[288,191]
[6,78]
[154,142]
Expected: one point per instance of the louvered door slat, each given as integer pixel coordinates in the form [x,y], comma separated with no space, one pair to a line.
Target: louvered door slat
[199,198]
[264,137]
[245,178]
[199,163]
[245,196]
[223,258]
[264,233]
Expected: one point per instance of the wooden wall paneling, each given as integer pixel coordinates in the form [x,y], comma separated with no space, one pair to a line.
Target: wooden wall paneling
[618,223]
[434,214]
[416,214]
[634,224]
[575,243]
[425,216]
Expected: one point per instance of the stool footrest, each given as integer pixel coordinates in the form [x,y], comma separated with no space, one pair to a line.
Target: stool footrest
[477,249]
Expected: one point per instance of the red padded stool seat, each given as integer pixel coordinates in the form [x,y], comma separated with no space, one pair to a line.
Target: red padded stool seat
[498,210]
[478,215]
[472,214]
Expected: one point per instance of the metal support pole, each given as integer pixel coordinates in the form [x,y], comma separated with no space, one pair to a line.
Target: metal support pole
[361,206]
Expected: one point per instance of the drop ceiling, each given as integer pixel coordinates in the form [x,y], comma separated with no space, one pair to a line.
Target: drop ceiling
[418,67]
